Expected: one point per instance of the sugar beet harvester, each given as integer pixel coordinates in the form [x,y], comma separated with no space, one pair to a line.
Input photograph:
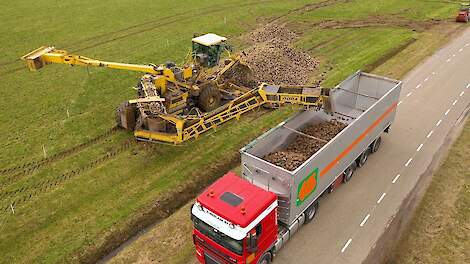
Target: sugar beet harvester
[176,104]
[248,220]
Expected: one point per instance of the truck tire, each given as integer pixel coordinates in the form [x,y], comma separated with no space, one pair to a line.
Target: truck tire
[311,212]
[376,145]
[266,258]
[209,99]
[348,173]
[361,161]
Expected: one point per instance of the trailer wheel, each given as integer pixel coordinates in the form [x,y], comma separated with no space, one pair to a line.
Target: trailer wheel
[265,259]
[376,145]
[363,158]
[311,212]
[348,173]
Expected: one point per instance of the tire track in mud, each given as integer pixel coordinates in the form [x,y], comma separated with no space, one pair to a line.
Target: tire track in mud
[29,167]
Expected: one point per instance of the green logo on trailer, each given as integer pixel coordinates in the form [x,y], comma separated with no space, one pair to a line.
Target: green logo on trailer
[307,186]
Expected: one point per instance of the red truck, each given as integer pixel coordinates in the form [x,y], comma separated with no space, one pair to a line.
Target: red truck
[248,219]
[464,13]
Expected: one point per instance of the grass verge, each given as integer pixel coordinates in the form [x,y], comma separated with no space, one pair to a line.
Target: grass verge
[439,231]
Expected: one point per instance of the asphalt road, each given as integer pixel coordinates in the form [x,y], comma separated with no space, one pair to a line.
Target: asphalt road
[352,218]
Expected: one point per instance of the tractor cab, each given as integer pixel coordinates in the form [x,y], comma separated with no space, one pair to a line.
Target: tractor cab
[208,48]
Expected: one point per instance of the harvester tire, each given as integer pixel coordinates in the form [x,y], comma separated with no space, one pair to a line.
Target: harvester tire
[209,98]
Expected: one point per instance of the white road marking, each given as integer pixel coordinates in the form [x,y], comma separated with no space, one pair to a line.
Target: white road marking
[453,55]
[408,162]
[396,178]
[433,73]
[448,60]
[399,103]
[468,85]
[365,220]
[430,133]
[419,148]
[455,102]
[438,122]
[346,245]
[419,85]
[409,94]
[462,93]
[447,112]
[381,198]
[466,45]
[460,50]
[425,80]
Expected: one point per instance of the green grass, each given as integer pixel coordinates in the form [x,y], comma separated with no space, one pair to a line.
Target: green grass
[439,231]
[347,50]
[359,10]
[80,214]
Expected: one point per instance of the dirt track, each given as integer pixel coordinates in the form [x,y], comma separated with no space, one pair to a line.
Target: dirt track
[303,146]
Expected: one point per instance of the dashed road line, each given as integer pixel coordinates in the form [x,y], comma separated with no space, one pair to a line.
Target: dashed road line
[425,80]
[419,148]
[364,220]
[468,86]
[419,85]
[433,73]
[447,112]
[346,245]
[439,122]
[430,133]
[448,60]
[396,178]
[381,198]
[399,103]
[466,45]
[460,50]
[455,102]
[410,93]
[408,162]
[453,55]
[461,93]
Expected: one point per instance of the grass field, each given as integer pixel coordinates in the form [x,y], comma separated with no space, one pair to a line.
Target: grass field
[439,231]
[79,204]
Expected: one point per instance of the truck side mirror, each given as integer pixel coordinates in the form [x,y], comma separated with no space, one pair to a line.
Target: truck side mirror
[252,243]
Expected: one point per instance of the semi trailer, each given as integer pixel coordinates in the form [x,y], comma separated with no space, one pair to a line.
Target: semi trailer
[248,219]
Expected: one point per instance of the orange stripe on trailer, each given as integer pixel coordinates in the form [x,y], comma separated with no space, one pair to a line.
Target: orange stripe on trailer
[355,142]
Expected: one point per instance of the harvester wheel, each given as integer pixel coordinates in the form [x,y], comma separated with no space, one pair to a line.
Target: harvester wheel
[209,99]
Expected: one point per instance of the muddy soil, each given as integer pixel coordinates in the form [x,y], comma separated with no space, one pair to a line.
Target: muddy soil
[303,147]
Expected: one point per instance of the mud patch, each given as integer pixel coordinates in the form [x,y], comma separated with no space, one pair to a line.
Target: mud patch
[312,139]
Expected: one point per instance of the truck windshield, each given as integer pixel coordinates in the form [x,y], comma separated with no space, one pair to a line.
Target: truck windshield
[227,242]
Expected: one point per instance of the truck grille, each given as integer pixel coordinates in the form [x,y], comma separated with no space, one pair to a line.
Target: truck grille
[210,259]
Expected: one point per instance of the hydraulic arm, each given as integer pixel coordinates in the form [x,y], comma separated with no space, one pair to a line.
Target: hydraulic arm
[46,55]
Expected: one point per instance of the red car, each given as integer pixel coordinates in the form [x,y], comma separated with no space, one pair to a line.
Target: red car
[463,16]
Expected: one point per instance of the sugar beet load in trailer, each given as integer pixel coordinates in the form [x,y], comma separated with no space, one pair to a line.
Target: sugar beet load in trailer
[248,220]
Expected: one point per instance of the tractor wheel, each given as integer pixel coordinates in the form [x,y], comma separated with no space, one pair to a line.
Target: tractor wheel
[209,99]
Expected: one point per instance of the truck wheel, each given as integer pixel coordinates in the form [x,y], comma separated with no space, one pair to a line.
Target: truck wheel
[376,145]
[311,212]
[209,99]
[348,173]
[265,259]
[363,158]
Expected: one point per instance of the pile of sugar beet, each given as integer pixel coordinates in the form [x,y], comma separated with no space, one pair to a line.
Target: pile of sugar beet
[303,147]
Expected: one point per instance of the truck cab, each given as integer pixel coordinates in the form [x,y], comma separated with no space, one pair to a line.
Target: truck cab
[234,222]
